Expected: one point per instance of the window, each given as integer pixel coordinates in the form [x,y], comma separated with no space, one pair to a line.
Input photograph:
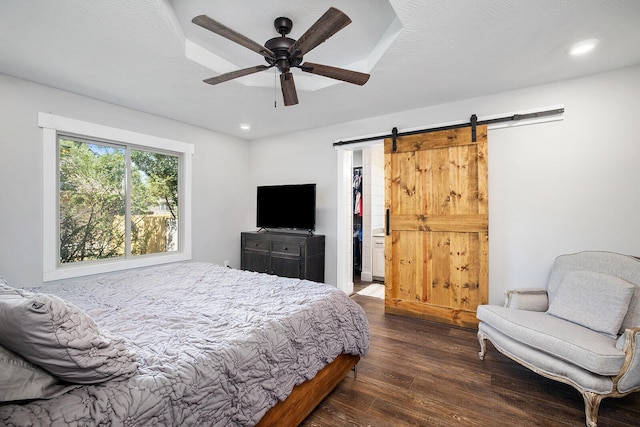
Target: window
[114,199]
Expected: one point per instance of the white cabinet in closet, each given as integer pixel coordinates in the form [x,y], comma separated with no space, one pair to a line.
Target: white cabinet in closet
[378,257]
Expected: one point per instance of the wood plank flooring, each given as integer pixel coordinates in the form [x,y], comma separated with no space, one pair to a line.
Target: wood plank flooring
[419,373]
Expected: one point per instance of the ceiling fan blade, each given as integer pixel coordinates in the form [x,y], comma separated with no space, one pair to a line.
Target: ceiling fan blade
[348,76]
[235,74]
[327,25]
[288,89]
[212,25]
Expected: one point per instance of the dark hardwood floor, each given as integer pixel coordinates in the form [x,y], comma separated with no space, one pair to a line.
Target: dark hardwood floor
[419,373]
[359,285]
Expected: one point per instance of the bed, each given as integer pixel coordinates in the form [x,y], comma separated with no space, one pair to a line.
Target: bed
[183,344]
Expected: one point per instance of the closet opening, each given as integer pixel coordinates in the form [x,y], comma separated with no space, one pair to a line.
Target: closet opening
[361,219]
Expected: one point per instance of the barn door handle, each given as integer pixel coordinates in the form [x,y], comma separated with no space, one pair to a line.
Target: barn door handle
[386,223]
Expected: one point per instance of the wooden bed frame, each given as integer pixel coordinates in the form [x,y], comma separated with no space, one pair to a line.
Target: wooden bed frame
[306,396]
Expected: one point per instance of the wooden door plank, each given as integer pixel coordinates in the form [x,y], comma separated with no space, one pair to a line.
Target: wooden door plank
[465,178]
[439,198]
[483,178]
[389,291]
[483,209]
[408,250]
[442,139]
[483,268]
[435,313]
[460,223]
[403,183]
[440,268]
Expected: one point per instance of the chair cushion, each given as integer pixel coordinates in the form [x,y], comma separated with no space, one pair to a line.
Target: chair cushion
[594,300]
[541,362]
[571,342]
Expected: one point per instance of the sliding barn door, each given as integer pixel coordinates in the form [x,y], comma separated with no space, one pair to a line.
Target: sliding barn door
[437,243]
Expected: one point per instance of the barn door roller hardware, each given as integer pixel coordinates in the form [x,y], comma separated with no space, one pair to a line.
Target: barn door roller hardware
[474,122]
[474,119]
[394,135]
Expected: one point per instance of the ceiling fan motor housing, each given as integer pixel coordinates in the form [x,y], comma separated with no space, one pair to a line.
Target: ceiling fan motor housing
[280,47]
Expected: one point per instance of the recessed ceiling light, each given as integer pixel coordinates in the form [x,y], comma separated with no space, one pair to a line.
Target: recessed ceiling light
[245,126]
[583,47]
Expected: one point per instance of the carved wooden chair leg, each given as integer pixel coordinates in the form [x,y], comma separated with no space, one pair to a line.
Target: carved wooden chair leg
[591,407]
[483,345]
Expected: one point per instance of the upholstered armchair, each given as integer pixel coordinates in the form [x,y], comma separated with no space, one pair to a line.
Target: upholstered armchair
[583,329]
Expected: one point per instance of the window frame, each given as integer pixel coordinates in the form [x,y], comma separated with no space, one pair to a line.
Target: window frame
[53,125]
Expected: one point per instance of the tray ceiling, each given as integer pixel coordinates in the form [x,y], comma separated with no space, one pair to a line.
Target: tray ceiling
[418,53]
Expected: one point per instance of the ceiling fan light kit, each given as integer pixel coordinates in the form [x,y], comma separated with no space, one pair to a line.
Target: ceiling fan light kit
[285,53]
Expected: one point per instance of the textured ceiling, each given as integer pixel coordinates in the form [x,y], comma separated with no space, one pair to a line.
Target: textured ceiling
[132,53]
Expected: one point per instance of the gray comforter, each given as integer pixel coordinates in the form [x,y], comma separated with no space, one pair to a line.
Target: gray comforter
[215,346]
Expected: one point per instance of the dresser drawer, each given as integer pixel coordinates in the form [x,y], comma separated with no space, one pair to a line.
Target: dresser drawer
[285,248]
[256,245]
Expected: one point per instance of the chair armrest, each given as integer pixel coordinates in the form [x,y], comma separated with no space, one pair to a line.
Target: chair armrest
[629,377]
[530,299]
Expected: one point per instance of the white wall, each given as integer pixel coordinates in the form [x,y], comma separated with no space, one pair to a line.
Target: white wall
[299,158]
[554,188]
[365,254]
[219,184]
[377,187]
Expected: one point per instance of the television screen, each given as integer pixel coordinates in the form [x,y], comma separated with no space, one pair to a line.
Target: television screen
[287,206]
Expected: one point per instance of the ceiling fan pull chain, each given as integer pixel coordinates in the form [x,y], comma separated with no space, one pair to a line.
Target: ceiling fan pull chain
[275,89]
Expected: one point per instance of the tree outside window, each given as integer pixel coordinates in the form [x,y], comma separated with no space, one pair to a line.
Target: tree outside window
[115,201]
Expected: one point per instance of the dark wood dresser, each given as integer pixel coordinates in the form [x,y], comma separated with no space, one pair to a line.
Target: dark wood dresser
[283,254]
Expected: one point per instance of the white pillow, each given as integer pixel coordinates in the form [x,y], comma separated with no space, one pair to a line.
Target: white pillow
[594,300]
[21,380]
[59,337]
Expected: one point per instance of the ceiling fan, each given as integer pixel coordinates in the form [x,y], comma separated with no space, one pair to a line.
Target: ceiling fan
[285,53]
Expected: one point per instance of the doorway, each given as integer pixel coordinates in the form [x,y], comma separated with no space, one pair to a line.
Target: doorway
[361,216]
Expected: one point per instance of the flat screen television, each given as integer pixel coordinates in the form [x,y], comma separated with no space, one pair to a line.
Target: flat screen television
[290,207]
